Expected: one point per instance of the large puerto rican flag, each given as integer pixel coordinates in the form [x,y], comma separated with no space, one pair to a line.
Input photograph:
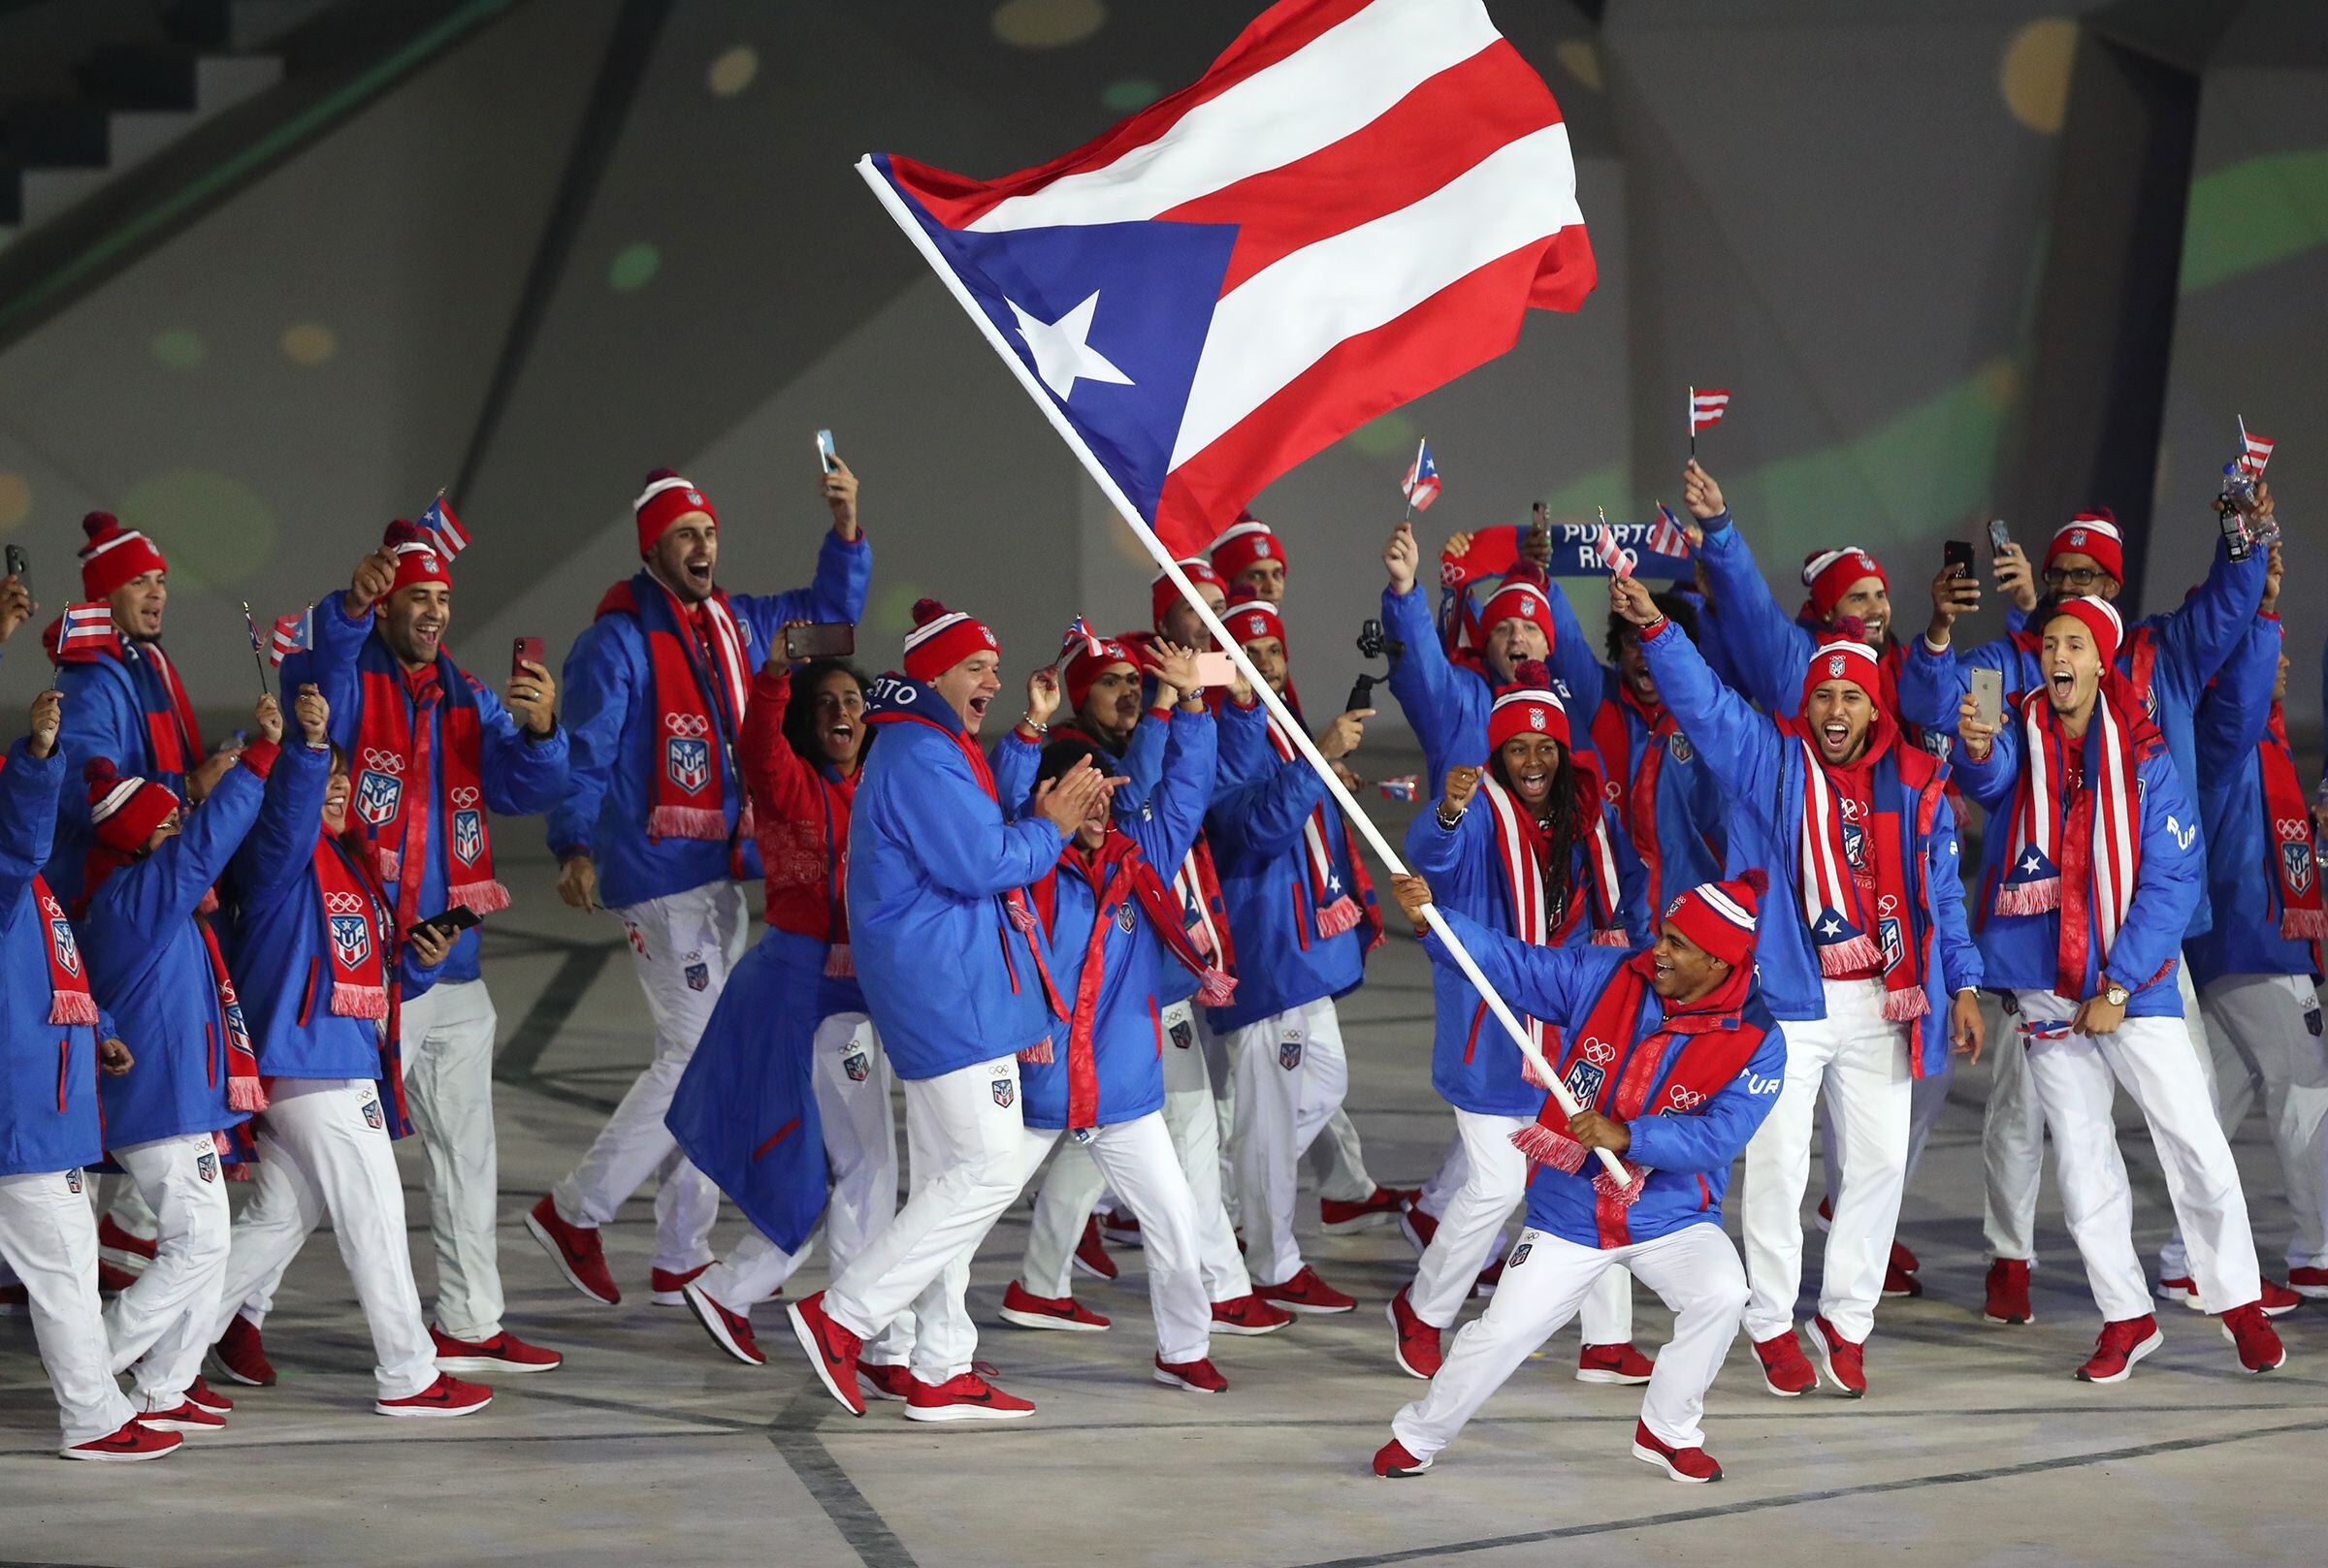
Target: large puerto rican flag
[1358,203]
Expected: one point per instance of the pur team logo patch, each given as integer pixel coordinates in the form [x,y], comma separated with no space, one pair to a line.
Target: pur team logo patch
[1184,1034]
[372,1114]
[351,939]
[687,759]
[1126,917]
[1289,1052]
[857,1065]
[1681,748]
[1006,1091]
[1519,1254]
[469,825]
[73,1177]
[205,1165]
[2295,863]
[379,793]
[699,977]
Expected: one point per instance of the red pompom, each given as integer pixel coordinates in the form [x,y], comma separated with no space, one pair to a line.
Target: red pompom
[97,522]
[1849,625]
[99,769]
[1532,672]
[926,610]
[404,530]
[1757,879]
[657,476]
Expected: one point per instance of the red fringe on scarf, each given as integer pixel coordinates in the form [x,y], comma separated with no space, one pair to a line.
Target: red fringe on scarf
[1860,952]
[359,1001]
[71,1008]
[1611,939]
[2304,925]
[1039,1052]
[1343,914]
[246,1094]
[839,963]
[485,898]
[1549,1146]
[1906,1007]
[2037,897]
[687,822]
[1216,986]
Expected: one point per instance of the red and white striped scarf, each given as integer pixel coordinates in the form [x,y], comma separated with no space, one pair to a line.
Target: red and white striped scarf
[2094,837]
[2295,858]
[1336,910]
[1196,886]
[1520,851]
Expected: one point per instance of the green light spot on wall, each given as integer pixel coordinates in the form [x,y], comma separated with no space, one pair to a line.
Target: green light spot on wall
[2253,213]
[892,612]
[732,72]
[220,532]
[635,268]
[1384,437]
[180,348]
[1047,24]
[1135,92]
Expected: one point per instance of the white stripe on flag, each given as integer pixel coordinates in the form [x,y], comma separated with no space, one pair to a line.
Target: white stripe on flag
[1335,85]
[1292,313]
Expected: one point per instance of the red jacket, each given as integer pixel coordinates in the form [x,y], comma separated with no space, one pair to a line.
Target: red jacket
[799,817]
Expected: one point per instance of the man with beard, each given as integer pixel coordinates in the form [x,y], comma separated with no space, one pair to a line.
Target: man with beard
[1872,970]
[655,827]
[433,750]
[2090,871]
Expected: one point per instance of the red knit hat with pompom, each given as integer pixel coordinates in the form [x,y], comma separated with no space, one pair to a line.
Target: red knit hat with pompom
[665,499]
[1528,706]
[943,638]
[114,555]
[417,558]
[1721,916]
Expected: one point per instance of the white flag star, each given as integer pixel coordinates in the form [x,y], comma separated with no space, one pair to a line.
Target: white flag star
[1063,354]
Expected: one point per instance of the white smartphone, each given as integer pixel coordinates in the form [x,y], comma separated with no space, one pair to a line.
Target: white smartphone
[824,451]
[1216,669]
[1988,694]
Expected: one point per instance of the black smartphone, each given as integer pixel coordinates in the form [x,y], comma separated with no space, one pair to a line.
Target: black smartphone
[1957,555]
[16,563]
[820,639]
[1998,538]
[455,920]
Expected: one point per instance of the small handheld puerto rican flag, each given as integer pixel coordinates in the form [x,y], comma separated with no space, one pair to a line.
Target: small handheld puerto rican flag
[1421,484]
[1607,552]
[2254,451]
[1706,408]
[451,538]
[293,634]
[86,632]
[1079,638]
[1406,787]
[1666,536]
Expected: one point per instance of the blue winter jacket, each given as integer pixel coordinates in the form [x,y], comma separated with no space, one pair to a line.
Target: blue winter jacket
[1474,1064]
[1127,1034]
[2188,645]
[48,1071]
[278,947]
[1688,1155]
[1144,764]
[608,685]
[1762,772]
[106,705]
[521,775]
[2020,951]
[151,970]
[1446,704]
[950,979]
[2244,848]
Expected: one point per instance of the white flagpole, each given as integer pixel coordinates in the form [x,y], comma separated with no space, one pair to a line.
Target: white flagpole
[1352,814]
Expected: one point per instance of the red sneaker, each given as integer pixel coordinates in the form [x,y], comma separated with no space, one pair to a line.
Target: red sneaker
[1392,1462]
[1614,1364]
[1903,1260]
[888,1382]
[2121,1344]
[1091,1254]
[1899,1282]
[2278,1301]
[188,1416]
[2255,1337]
[15,1302]
[1417,1227]
[967,1397]
[1382,1204]
[2182,1289]
[1489,1278]
[199,1395]
[668,1289]
[134,1441]
[112,1279]
[1248,1315]
[2009,1291]
[240,1357]
[832,1350]
[732,1331]
[132,1253]
[2308,1282]
[1120,1227]
[1414,1343]
[1027,1310]
[575,1250]
[1199,1376]
[503,1353]
[1305,1292]
[1843,1362]
[444,1398]
[1690,1465]
[1785,1371]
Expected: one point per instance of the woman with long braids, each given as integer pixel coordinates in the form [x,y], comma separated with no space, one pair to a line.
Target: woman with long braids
[1525,846]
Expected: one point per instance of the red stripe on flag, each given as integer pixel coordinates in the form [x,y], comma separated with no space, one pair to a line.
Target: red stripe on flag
[1437,131]
[1464,324]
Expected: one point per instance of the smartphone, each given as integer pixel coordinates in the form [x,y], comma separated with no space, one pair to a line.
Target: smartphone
[1998,538]
[825,452]
[1216,669]
[525,650]
[1957,555]
[1988,694]
[16,563]
[820,639]
[455,920]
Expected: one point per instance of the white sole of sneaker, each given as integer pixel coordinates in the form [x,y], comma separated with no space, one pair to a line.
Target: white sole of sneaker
[2252,1372]
[432,1413]
[1088,1272]
[1283,1305]
[189,1429]
[707,1313]
[1242,1330]
[549,1244]
[816,1361]
[670,1299]
[1038,1320]
[117,1458]
[1649,1455]
[1398,1352]
[2008,1322]
[2133,1357]
[1415,1238]
[1171,1380]
[947,1413]
[1823,1362]
[1597,1374]
[219,1368]
[493,1366]
[2188,1298]
[874,1391]
[1402,1475]
[1364,1222]
[2310,1293]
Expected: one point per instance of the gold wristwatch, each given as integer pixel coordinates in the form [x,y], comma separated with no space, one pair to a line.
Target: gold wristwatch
[2117,995]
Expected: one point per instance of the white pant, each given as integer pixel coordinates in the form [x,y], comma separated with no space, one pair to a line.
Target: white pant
[682,947]
[2012,1139]
[1695,1271]
[851,1080]
[1488,1179]
[447,1046]
[1858,1059]
[131,1212]
[1291,1075]
[1073,1185]
[1928,1097]
[1337,1162]
[1138,1160]
[324,1148]
[49,1236]
[161,1323]
[2075,1077]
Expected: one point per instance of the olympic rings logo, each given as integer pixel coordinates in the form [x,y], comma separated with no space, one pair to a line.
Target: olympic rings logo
[379,762]
[687,726]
